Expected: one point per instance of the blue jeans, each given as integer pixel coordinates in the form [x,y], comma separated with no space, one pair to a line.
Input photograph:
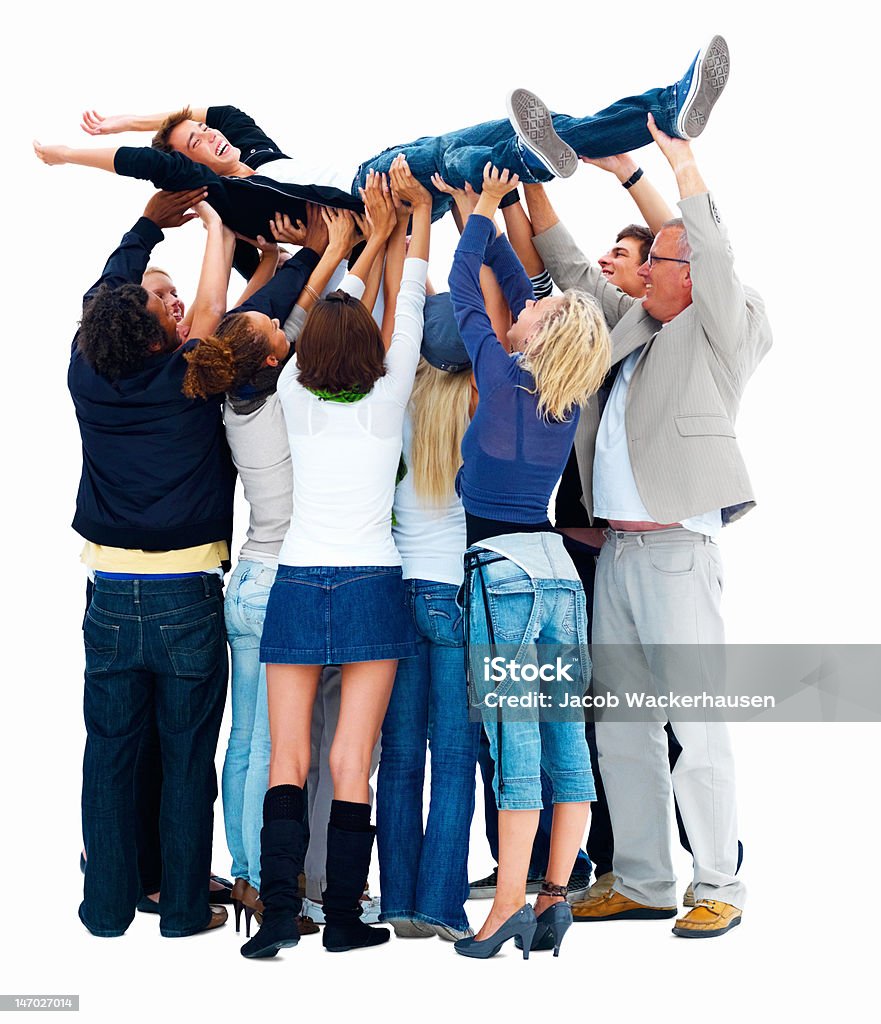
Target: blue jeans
[246,765]
[506,606]
[424,877]
[460,156]
[151,644]
[541,846]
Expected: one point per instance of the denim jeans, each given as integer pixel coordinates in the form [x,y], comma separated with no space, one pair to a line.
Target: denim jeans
[541,845]
[151,644]
[506,605]
[460,156]
[246,765]
[423,875]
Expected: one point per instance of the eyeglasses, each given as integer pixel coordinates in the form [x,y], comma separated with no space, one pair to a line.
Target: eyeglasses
[651,258]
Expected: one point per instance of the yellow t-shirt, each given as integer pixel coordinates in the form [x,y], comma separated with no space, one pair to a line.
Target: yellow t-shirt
[202,558]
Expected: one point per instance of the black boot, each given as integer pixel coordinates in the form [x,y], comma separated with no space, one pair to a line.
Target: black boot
[282,849]
[348,862]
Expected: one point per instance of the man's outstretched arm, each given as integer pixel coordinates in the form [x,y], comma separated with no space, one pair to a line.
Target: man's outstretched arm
[567,264]
[127,263]
[94,123]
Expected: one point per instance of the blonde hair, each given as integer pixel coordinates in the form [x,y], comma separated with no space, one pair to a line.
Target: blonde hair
[569,354]
[439,412]
[155,270]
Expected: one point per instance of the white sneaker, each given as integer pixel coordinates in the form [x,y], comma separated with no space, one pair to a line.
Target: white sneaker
[313,910]
[369,909]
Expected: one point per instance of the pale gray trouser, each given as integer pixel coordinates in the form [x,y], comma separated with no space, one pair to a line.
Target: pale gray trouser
[319,787]
[653,590]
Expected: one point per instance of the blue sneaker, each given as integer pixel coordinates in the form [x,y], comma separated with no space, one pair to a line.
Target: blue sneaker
[701,86]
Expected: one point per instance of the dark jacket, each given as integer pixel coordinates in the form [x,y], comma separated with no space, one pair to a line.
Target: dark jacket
[245,204]
[157,472]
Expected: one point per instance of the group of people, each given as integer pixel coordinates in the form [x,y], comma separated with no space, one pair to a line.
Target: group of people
[399,449]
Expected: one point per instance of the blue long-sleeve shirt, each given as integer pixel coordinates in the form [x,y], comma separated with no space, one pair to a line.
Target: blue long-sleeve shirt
[512,458]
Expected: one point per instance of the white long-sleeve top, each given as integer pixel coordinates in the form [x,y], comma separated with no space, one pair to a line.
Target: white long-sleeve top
[345,455]
[430,538]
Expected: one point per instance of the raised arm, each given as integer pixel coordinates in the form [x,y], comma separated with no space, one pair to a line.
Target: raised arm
[341,235]
[568,265]
[490,360]
[718,296]
[495,302]
[127,263]
[209,306]
[651,204]
[267,264]
[395,254]
[403,353]
[277,298]
[381,217]
[94,123]
[172,172]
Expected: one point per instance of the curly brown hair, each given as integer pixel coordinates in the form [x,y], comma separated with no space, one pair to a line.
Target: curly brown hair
[227,359]
[117,332]
[160,139]
[340,347]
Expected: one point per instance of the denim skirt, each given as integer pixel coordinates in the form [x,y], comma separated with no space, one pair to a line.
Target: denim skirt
[328,615]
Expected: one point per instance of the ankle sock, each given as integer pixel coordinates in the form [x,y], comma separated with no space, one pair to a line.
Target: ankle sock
[283,803]
[349,816]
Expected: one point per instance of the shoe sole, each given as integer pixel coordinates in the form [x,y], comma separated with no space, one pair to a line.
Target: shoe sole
[689,933]
[643,914]
[481,894]
[709,79]
[347,949]
[532,122]
[489,892]
[270,950]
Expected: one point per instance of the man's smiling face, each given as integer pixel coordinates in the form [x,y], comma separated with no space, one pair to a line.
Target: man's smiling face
[204,145]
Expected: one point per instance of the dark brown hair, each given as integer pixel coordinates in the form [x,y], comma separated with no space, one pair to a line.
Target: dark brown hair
[160,139]
[641,234]
[340,348]
[118,332]
[225,360]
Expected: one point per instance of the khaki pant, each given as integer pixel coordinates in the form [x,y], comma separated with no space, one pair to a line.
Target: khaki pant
[654,590]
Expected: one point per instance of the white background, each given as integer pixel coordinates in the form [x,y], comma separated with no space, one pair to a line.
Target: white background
[790,155]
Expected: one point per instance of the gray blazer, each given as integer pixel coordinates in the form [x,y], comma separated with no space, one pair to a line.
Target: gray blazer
[686,387]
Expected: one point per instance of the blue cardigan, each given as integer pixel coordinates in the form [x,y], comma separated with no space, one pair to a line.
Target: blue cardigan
[512,458]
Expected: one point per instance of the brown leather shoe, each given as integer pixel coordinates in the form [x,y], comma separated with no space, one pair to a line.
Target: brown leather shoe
[239,887]
[218,918]
[708,918]
[254,908]
[615,907]
[306,926]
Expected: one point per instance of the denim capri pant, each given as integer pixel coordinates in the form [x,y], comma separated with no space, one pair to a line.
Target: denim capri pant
[534,621]
[329,615]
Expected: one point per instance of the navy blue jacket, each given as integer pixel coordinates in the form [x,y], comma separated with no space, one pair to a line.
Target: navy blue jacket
[157,471]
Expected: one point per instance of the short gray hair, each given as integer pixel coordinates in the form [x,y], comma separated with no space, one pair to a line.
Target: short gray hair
[682,246]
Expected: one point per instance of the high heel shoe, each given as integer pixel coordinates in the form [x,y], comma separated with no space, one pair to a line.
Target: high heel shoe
[253,907]
[521,924]
[239,887]
[550,928]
